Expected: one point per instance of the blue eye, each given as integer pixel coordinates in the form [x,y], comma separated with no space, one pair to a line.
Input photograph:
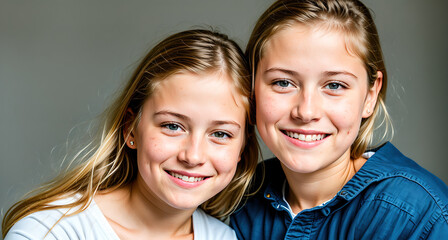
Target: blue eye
[220,135]
[334,86]
[282,83]
[172,126]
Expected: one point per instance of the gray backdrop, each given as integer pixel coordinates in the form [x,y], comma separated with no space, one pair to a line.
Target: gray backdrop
[60,61]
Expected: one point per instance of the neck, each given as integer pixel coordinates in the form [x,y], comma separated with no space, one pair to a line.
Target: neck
[307,190]
[141,214]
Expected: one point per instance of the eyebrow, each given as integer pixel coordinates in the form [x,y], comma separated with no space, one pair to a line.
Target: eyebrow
[295,74]
[219,122]
[186,118]
[335,73]
[178,115]
[286,71]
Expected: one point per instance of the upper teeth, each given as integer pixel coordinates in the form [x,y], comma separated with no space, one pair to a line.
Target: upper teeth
[186,178]
[306,137]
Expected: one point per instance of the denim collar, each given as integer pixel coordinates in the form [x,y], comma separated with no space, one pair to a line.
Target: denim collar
[380,165]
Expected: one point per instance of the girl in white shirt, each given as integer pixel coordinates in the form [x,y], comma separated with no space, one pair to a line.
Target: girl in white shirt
[178,137]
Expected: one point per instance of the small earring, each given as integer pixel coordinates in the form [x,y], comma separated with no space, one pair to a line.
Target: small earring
[132,143]
[368,110]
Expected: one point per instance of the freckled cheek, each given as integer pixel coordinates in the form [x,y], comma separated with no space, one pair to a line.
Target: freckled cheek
[269,110]
[225,160]
[154,150]
[346,119]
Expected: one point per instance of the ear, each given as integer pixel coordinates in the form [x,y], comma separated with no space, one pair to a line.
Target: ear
[128,131]
[372,96]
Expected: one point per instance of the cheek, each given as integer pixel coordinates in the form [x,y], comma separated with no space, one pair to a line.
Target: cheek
[155,150]
[226,160]
[346,118]
[268,109]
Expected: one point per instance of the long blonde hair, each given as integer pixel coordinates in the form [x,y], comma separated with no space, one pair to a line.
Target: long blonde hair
[107,164]
[352,18]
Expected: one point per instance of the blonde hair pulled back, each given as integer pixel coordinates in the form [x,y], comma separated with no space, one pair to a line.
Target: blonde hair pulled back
[353,19]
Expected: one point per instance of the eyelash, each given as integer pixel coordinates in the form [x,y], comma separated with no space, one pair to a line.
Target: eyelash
[276,86]
[277,83]
[339,87]
[168,125]
[227,135]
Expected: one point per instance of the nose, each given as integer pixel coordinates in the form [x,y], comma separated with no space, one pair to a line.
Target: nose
[192,151]
[307,106]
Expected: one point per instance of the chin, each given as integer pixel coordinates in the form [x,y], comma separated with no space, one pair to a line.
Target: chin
[184,205]
[301,165]
[186,202]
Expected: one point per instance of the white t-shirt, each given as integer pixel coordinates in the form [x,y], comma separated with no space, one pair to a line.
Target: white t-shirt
[92,224]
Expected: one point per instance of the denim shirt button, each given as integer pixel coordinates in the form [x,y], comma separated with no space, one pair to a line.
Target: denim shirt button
[325,211]
[343,193]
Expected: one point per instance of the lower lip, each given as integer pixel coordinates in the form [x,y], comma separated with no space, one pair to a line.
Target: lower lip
[184,184]
[303,144]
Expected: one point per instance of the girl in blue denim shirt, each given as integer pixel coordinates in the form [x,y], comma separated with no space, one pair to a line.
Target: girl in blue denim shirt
[320,84]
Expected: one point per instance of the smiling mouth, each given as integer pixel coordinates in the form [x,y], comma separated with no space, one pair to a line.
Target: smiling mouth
[305,137]
[186,178]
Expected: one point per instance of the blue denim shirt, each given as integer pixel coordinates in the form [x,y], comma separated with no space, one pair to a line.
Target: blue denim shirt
[390,197]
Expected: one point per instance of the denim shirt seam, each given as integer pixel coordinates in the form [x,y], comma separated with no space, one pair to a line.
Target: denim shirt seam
[352,193]
[431,224]
[427,188]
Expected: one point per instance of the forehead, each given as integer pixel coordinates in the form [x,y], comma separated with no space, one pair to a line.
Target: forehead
[309,51]
[199,90]
[300,37]
[354,41]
